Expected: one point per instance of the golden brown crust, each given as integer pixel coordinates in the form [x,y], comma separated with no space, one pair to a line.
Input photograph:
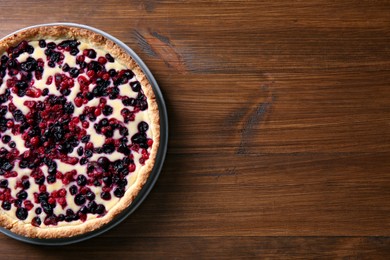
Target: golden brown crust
[78,227]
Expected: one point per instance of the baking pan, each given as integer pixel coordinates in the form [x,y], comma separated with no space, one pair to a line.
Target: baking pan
[157,167]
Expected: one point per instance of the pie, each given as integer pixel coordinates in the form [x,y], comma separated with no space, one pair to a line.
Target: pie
[79,130]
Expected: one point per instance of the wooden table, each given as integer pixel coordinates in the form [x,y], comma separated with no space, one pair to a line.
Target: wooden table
[279,127]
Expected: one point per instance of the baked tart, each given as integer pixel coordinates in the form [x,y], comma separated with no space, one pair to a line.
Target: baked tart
[79,130]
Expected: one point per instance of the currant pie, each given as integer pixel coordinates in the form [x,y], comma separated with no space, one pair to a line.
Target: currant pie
[79,130]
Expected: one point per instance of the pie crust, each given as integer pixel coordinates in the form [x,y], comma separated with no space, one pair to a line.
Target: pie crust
[78,227]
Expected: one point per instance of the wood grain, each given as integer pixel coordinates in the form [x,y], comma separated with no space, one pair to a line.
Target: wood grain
[279,127]
[210,247]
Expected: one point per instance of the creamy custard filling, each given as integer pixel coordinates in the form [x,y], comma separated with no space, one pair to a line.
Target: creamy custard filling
[74,130]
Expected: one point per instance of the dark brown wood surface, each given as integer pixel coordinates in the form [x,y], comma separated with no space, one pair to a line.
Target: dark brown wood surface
[279,117]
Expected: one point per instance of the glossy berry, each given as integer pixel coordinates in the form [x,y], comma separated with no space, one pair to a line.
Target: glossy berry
[22,195]
[51,45]
[107,110]
[51,179]
[79,199]
[42,43]
[6,205]
[6,139]
[100,209]
[73,189]
[132,167]
[38,211]
[81,180]
[88,153]
[109,57]
[74,72]
[3,183]
[105,195]
[40,180]
[45,92]
[36,221]
[91,207]
[128,101]
[83,161]
[84,210]
[103,162]
[135,86]
[85,139]
[26,184]
[102,60]
[68,108]
[104,122]
[119,192]
[21,213]
[108,148]
[47,208]
[90,195]
[91,54]
[69,212]
[138,138]
[60,217]
[7,166]
[80,151]
[143,127]
[107,180]
[34,141]
[65,68]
